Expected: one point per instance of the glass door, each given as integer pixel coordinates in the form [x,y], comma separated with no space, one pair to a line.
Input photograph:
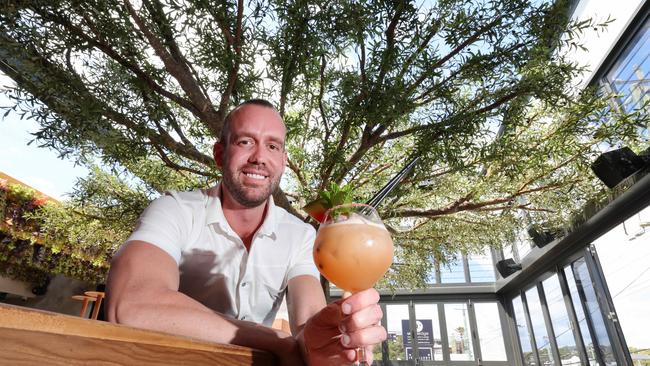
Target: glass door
[566,317]
[449,333]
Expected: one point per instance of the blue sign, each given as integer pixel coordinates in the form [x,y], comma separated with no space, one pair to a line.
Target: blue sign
[424,333]
[424,336]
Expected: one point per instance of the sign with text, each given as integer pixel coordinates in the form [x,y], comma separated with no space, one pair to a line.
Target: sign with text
[426,354]
[424,333]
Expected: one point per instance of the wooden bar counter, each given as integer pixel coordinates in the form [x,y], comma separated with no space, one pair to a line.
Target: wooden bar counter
[34,337]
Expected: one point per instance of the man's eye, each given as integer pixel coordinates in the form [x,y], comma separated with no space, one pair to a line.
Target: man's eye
[244,142]
[274,147]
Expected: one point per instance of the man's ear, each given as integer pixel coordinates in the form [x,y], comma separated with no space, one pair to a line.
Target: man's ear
[217,154]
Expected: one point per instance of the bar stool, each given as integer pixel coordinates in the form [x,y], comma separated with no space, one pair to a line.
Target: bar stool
[84,306]
[99,296]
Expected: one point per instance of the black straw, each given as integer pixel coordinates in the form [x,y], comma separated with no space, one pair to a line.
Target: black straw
[381,195]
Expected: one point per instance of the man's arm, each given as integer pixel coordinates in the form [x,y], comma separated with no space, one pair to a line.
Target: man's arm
[329,334]
[142,291]
[304,299]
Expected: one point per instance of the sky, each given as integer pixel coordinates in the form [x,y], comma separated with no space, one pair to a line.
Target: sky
[40,168]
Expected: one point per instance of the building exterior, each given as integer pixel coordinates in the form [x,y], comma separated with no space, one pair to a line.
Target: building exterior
[581,299]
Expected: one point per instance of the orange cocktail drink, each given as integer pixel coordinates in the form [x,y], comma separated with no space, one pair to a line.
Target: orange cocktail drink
[353,249]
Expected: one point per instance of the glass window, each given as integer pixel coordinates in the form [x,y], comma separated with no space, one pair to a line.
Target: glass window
[580,314]
[490,335]
[623,253]
[453,272]
[481,267]
[588,297]
[525,338]
[459,332]
[629,76]
[509,252]
[564,339]
[523,244]
[428,332]
[431,274]
[539,327]
[395,314]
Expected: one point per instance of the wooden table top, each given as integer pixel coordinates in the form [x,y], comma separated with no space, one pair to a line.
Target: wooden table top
[29,337]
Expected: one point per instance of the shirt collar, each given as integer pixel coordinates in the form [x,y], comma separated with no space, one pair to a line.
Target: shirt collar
[215,214]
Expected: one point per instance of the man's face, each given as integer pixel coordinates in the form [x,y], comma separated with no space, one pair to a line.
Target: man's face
[252,160]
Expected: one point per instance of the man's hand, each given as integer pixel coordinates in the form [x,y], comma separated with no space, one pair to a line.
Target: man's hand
[331,336]
[288,351]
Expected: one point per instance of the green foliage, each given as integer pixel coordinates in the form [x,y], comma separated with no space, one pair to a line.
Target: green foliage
[482,91]
[19,194]
[75,238]
[336,195]
[3,197]
[96,221]
[396,349]
[25,260]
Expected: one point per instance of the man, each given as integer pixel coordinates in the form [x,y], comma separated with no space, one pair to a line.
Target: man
[214,264]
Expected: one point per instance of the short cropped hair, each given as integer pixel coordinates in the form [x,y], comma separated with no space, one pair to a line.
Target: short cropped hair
[225,129]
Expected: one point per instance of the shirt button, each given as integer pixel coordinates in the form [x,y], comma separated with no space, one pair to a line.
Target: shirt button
[244,284]
[244,317]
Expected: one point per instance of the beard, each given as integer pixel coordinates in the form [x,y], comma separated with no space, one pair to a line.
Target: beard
[248,196]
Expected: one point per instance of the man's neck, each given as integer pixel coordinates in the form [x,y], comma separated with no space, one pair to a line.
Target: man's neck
[245,221]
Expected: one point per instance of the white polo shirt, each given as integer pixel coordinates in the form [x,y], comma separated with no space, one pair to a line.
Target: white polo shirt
[215,267]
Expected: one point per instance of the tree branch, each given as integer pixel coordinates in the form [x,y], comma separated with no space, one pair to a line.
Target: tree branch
[233,73]
[166,31]
[296,170]
[462,204]
[113,54]
[471,39]
[181,73]
[178,167]
[321,93]
[423,45]
[390,45]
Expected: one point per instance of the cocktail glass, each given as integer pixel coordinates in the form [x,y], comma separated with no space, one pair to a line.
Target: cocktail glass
[353,249]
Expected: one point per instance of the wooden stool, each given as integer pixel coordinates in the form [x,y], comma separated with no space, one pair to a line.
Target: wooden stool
[99,296]
[84,306]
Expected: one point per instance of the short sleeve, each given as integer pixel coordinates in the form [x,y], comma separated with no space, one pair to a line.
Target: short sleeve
[303,259]
[163,225]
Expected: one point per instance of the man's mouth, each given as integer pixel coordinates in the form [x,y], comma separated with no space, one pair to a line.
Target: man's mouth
[255,176]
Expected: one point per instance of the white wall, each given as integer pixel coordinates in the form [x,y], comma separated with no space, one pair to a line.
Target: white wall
[15,287]
[56,299]
[600,44]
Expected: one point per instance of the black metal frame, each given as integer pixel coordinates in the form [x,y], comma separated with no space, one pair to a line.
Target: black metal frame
[439,302]
[573,318]
[588,318]
[641,16]
[606,304]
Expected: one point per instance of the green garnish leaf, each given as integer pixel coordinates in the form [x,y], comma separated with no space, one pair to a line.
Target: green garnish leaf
[336,195]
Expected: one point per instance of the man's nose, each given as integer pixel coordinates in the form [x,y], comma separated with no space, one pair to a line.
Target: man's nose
[258,155]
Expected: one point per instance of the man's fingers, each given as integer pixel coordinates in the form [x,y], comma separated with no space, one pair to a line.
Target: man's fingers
[359,301]
[349,355]
[366,317]
[364,337]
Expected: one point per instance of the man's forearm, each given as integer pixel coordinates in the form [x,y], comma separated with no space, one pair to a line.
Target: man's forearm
[173,312]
